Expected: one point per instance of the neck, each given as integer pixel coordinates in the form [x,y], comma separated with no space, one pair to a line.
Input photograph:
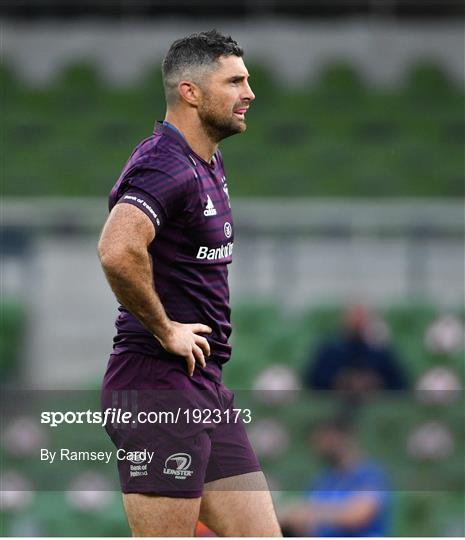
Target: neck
[348,459]
[194,133]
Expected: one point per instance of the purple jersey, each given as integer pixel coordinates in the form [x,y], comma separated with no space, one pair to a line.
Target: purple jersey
[187,201]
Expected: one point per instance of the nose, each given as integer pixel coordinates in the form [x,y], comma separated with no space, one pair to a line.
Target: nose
[249,95]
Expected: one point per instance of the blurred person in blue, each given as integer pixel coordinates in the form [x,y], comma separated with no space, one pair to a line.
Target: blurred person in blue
[349,497]
[358,360]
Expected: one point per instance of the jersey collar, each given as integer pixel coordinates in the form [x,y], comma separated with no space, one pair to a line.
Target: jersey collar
[164,129]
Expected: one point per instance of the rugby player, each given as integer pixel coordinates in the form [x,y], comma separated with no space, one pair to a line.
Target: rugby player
[165,249]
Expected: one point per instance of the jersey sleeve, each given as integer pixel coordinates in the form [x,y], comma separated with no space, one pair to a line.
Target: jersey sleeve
[144,202]
[157,193]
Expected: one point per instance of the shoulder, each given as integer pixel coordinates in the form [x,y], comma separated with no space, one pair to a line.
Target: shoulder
[331,345]
[158,168]
[372,473]
[163,155]
[158,163]
[322,480]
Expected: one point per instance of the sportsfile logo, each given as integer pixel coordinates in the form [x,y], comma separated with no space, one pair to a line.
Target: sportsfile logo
[177,465]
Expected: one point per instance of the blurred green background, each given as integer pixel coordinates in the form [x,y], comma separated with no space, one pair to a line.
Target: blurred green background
[335,136]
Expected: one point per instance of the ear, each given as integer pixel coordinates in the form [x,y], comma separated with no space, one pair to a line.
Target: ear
[189,92]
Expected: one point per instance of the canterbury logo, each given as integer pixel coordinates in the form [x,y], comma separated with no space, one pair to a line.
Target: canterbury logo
[177,465]
[210,209]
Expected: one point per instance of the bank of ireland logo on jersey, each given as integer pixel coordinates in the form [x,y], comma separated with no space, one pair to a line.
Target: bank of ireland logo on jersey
[210,209]
[227,229]
[177,465]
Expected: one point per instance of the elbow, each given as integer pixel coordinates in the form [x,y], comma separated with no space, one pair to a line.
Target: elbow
[119,258]
[109,257]
[102,252]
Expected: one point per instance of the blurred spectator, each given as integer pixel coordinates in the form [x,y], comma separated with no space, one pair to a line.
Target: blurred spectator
[359,360]
[349,497]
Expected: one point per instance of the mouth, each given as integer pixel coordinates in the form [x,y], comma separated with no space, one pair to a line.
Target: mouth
[240,113]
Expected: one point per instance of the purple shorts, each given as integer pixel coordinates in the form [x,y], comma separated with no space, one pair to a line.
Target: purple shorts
[178,432]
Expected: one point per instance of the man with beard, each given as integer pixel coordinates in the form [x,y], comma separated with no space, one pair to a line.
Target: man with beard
[359,360]
[165,249]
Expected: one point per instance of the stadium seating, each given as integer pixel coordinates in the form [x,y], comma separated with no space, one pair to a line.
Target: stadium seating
[264,336]
[336,137]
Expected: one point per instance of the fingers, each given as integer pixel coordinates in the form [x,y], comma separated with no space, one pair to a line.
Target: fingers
[195,356]
[190,364]
[199,349]
[198,353]
[198,328]
[203,344]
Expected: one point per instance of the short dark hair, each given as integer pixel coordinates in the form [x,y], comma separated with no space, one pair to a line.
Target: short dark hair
[199,50]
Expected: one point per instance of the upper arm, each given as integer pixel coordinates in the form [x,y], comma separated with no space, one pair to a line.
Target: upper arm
[127,228]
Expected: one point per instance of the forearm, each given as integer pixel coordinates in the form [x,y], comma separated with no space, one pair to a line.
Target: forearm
[352,514]
[130,277]
[308,515]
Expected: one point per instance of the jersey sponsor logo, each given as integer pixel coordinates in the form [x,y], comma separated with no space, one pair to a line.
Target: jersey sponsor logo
[210,209]
[227,229]
[177,465]
[214,254]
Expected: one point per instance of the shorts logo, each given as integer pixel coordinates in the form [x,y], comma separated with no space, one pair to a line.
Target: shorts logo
[139,469]
[178,465]
[138,458]
[227,229]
